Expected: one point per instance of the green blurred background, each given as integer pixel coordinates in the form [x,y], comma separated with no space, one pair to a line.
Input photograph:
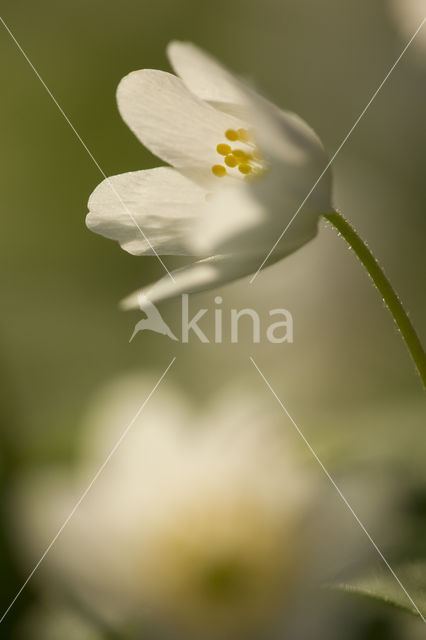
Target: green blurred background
[347,378]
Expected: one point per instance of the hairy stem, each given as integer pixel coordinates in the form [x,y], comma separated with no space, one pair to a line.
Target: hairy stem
[385,289]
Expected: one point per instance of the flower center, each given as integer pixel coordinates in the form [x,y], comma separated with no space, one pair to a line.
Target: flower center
[244,163]
[223,580]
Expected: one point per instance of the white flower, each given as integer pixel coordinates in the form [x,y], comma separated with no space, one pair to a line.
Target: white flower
[54,621]
[408,16]
[241,168]
[195,525]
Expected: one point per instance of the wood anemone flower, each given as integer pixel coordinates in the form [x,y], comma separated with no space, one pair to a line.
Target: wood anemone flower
[239,169]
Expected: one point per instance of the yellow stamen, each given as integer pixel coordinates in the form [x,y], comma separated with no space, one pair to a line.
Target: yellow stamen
[231,134]
[244,168]
[223,149]
[247,160]
[243,135]
[218,170]
[240,155]
[231,160]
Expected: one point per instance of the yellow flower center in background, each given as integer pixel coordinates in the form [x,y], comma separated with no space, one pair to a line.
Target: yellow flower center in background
[245,163]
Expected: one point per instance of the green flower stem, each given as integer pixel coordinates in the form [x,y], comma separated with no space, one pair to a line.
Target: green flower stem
[385,289]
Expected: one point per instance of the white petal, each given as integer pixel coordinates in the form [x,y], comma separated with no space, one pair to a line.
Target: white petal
[145,209]
[282,136]
[198,276]
[229,215]
[171,121]
[294,153]
[237,222]
[203,75]
[294,190]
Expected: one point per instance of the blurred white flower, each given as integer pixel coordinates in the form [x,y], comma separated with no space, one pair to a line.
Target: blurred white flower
[408,16]
[196,525]
[56,622]
[241,168]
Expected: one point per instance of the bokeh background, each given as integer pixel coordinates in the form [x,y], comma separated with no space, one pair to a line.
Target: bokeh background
[347,379]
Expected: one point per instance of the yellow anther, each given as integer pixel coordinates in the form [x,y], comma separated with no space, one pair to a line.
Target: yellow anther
[243,135]
[231,134]
[231,160]
[247,160]
[218,170]
[240,154]
[223,149]
[244,168]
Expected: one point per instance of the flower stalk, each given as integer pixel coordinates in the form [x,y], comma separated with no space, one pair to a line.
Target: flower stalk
[385,289]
